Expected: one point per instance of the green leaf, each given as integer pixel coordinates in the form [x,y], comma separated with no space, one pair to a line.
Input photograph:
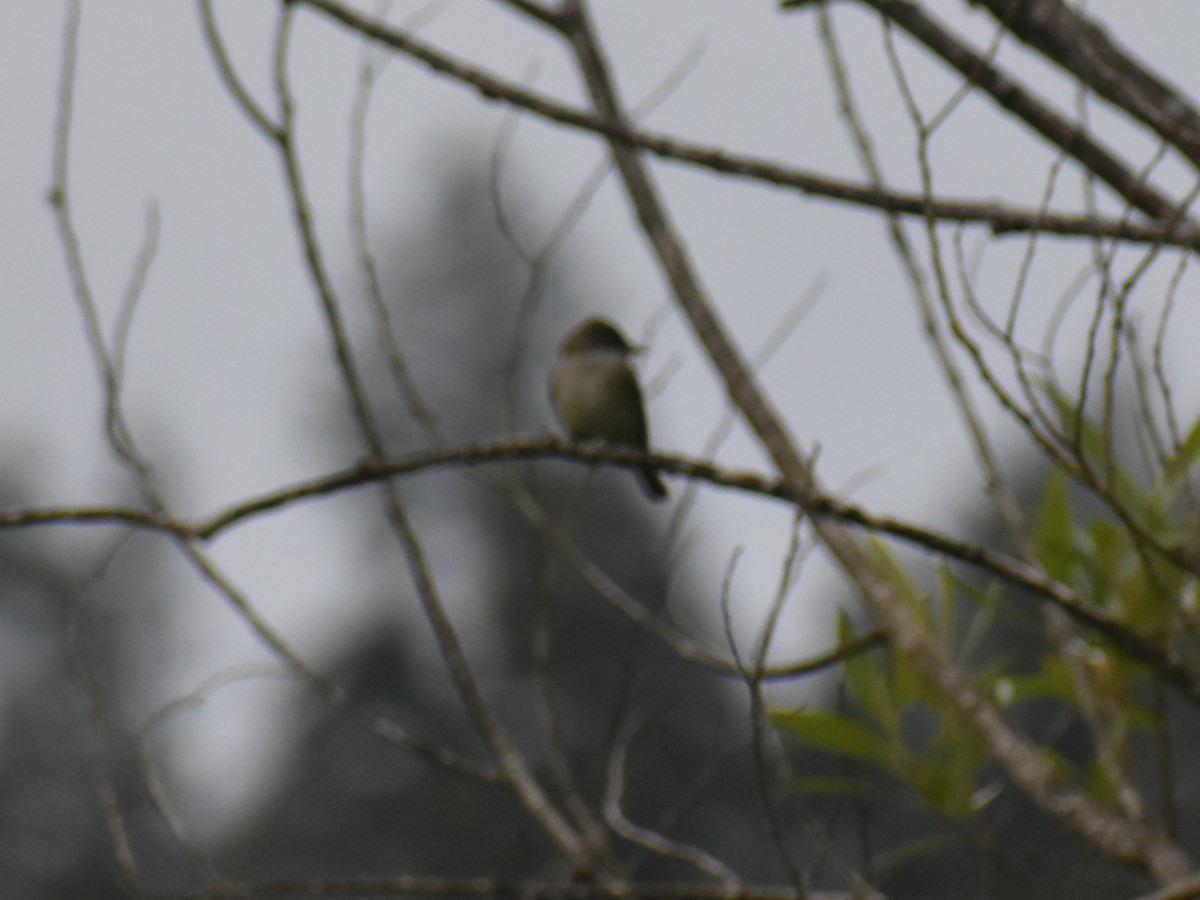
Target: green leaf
[1142,606]
[1096,449]
[1099,785]
[868,681]
[847,631]
[1052,535]
[841,786]
[1105,559]
[835,733]
[1052,681]
[909,684]
[1185,455]
[988,602]
[1111,542]
[912,851]
[951,769]
[891,570]
[947,608]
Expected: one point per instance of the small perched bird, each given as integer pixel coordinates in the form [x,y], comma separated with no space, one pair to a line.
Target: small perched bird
[596,395]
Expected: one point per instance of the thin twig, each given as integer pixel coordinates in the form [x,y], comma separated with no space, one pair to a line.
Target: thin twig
[996,484]
[92,697]
[495,889]
[654,841]
[517,771]
[397,362]
[1006,91]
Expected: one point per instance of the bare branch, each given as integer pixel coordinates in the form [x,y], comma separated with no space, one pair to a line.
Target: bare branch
[1002,219]
[1069,38]
[652,840]
[1008,568]
[229,76]
[494,889]
[1070,137]
[1024,761]
[92,697]
[932,327]
[517,771]
[330,692]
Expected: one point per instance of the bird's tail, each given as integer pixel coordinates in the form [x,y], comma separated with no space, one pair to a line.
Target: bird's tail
[653,484]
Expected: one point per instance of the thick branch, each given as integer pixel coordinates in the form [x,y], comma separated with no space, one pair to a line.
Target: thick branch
[1133,842]
[371,472]
[495,889]
[1070,137]
[1080,46]
[517,771]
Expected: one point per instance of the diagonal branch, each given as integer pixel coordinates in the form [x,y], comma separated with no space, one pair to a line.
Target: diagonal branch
[1001,218]
[499,889]
[1070,137]
[1133,842]
[517,770]
[1079,45]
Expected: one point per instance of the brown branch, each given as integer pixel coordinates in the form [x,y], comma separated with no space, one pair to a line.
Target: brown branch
[1001,218]
[1070,137]
[1034,579]
[92,697]
[1184,889]
[1080,46]
[518,774]
[325,688]
[370,472]
[933,329]
[495,889]
[241,94]
[652,840]
[1040,778]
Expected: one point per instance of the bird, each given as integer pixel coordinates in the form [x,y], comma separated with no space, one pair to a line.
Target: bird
[596,394]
